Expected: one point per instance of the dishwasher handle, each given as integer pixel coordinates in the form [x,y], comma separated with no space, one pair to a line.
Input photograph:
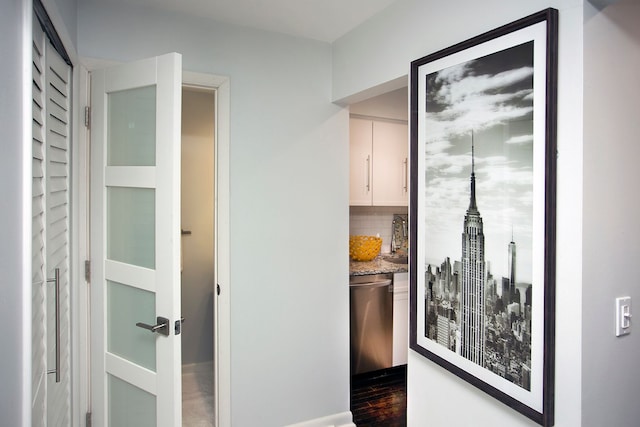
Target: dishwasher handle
[377,284]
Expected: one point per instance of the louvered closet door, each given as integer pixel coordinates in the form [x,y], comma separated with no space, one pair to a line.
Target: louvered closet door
[38,327]
[58,84]
[51,159]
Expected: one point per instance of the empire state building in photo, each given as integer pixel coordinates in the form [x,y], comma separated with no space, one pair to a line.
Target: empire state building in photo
[472,328]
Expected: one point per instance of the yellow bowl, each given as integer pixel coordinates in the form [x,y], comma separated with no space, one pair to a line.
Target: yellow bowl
[364,248]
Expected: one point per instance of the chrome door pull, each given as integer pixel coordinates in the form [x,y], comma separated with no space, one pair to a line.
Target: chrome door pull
[161,326]
[56,283]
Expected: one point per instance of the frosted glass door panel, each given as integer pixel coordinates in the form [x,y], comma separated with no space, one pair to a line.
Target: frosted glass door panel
[131,132]
[131,226]
[130,406]
[127,306]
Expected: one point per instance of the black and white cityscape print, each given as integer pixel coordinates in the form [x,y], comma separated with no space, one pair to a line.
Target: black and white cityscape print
[479,211]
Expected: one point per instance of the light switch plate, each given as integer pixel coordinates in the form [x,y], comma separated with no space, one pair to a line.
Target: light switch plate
[623,316]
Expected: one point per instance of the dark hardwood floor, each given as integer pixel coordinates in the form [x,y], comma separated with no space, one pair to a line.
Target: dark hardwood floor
[379,399]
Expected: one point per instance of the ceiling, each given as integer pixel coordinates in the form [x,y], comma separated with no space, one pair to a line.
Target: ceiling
[324,20]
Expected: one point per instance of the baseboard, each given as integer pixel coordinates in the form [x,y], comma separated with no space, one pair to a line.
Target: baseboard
[343,419]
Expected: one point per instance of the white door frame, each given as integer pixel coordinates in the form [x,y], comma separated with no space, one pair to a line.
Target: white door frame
[80,288]
[222,319]
[81,362]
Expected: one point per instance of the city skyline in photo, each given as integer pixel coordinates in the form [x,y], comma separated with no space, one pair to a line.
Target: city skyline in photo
[479,100]
[479,211]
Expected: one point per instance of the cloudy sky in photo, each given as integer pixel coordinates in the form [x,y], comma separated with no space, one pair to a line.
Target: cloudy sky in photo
[491,99]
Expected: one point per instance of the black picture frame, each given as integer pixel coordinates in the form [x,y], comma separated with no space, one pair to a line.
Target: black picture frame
[482,205]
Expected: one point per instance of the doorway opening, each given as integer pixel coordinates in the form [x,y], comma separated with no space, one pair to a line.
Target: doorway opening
[379,129]
[198,257]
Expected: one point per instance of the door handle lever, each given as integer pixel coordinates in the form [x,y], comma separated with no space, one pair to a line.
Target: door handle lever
[161,326]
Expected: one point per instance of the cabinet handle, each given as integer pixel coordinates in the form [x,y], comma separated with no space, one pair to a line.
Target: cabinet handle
[406,174]
[368,174]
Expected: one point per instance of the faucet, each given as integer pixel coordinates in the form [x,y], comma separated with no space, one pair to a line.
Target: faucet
[398,234]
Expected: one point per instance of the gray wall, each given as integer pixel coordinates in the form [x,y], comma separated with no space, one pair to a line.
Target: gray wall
[378,54]
[289,204]
[197,217]
[611,240]
[15,217]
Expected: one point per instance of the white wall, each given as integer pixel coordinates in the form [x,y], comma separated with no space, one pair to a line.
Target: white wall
[15,214]
[379,52]
[65,17]
[197,216]
[289,204]
[610,377]
[390,105]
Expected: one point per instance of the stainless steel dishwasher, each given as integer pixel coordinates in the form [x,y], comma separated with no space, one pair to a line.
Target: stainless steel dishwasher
[371,301]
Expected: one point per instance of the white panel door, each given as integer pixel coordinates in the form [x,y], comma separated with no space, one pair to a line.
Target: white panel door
[135,243]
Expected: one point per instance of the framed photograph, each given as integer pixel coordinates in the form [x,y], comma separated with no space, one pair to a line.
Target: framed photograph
[483,178]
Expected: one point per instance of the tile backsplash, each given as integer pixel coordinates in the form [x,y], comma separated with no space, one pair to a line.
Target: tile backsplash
[373,220]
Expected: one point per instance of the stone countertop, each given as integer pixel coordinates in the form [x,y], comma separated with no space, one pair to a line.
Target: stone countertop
[375,266]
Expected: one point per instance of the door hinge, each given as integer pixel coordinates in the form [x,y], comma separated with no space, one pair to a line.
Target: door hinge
[87,271]
[87,419]
[87,117]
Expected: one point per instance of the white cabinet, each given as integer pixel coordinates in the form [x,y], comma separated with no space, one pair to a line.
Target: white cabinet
[360,161]
[379,163]
[400,318]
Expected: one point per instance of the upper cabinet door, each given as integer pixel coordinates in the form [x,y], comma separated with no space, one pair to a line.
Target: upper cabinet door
[390,168]
[360,162]
[379,163]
